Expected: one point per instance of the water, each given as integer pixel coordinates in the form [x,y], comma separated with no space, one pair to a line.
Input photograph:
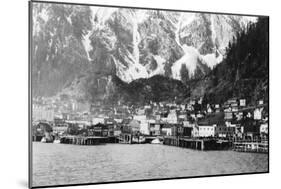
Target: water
[57,164]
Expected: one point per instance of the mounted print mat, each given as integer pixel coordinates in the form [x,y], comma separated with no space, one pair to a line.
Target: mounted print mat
[122,94]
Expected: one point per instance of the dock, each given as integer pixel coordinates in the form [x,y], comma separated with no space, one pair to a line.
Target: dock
[251,146]
[87,140]
[197,144]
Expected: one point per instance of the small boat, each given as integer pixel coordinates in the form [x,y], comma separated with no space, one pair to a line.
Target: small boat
[156,141]
[57,141]
[46,140]
[43,140]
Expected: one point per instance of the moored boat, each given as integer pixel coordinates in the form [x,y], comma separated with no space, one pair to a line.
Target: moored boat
[46,140]
[57,141]
[156,141]
[43,140]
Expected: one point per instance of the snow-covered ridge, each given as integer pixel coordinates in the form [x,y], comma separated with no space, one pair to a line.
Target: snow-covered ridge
[196,39]
[221,29]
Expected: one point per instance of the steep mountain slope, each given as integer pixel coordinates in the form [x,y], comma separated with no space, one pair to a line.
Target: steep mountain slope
[244,72]
[58,56]
[146,43]
[96,52]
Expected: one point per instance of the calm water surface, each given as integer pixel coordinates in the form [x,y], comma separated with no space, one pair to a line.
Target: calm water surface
[57,164]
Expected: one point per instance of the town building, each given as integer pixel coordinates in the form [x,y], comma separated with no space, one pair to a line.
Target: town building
[99,129]
[224,131]
[206,130]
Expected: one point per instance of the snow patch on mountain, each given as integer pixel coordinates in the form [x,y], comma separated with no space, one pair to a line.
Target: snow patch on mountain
[190,60]
[211,60]
[132,70]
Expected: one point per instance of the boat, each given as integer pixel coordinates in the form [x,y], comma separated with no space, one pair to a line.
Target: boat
[57,141]
[43,140]
[156,141]
[46,140]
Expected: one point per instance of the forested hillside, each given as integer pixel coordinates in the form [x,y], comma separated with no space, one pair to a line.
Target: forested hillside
[244,72]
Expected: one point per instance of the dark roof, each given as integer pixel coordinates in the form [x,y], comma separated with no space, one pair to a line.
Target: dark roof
[216,118]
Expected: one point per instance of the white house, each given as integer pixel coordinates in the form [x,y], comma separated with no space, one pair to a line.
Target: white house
[97,120]
[206,130]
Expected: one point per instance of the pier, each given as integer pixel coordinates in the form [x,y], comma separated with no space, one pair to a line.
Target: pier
[251,146]
[81,140]
[197,144]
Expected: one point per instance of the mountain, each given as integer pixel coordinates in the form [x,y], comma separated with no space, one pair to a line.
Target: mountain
[58,54]
[96,52]
[143,43]
[244,73]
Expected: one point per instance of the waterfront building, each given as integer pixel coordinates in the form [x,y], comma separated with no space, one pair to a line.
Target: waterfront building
[206,130]
[251,128]
[98,130]
[224,131]
[184,131]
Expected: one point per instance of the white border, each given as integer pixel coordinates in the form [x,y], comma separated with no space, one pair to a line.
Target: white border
[14,92]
